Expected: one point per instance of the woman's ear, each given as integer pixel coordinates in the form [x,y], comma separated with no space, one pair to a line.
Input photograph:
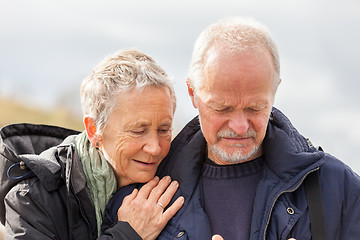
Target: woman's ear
[91,131]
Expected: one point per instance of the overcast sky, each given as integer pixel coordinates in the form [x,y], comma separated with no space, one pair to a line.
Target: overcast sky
[48,47]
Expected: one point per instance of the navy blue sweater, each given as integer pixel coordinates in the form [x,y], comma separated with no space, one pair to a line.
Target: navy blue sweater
[225,187]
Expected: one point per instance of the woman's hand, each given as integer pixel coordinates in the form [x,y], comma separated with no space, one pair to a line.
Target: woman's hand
[144,209]
[217,237]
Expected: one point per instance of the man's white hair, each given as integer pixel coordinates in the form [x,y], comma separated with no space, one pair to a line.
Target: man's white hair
[121,72]
[235,34]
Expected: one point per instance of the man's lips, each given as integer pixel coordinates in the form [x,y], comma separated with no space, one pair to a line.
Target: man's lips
[240,141]
[236,138]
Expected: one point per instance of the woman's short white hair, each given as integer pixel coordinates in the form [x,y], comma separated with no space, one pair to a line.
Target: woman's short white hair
[121,72]
[237,35]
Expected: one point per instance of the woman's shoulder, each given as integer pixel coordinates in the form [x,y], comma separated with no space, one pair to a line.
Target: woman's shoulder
[35,212]
[29,200]
[32,191]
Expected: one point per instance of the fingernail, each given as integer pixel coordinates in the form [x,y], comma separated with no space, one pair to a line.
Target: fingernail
[167,178]
[175,183]
[156,178]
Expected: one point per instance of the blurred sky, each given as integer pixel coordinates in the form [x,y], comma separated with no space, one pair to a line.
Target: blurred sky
[48,47]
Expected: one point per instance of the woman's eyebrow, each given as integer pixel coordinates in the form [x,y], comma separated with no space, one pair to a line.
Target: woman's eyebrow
[136,124]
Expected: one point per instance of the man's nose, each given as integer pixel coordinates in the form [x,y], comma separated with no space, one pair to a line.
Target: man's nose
[239,122]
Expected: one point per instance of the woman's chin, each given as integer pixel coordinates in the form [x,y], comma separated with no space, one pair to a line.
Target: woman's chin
[145,179]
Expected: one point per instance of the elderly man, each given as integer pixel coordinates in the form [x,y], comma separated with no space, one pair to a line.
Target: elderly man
[241,165]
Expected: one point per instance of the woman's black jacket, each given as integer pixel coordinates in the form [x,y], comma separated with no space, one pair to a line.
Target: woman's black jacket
[43,192]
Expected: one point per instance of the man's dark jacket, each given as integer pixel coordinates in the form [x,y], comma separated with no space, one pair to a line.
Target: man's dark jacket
[47,197]
[280,208]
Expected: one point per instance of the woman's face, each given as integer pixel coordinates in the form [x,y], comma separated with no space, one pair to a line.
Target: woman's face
[138,134]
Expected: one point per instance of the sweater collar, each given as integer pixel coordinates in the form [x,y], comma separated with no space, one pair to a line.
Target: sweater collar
[214,171]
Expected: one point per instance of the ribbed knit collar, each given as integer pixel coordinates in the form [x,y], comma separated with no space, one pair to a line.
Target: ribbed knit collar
[214,171]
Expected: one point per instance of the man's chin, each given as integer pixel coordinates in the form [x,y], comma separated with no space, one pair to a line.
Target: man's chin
[231,157]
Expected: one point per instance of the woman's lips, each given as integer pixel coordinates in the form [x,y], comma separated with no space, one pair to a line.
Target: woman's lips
[145,164]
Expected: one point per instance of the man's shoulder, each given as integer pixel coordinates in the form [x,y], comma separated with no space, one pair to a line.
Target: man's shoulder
[340,185]
[187,138]
[337,169]
[115,203]
[187,133]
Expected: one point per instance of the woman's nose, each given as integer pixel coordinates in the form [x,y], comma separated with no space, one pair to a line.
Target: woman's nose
[152,145]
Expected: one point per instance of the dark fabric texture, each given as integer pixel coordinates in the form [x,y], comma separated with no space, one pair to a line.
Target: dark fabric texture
[52,202]
[225,187]
[280,207]
[17,142]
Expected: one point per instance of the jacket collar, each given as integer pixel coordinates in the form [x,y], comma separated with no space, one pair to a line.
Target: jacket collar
[29,143]
[189,164]
[287,153]
[36,146]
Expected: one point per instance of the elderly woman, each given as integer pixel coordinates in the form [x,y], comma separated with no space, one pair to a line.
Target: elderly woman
[57,182]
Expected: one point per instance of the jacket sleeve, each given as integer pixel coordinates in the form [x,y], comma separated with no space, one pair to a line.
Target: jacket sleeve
[26,218]
[120,230]
[340,187]
[351,211]
[32,214]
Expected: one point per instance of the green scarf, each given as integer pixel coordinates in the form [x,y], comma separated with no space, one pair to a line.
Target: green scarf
[100,177]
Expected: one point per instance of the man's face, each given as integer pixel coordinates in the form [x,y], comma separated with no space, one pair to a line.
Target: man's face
[234,104]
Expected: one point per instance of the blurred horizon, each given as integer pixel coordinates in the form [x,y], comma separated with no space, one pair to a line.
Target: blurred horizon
[14,112]
[48,47]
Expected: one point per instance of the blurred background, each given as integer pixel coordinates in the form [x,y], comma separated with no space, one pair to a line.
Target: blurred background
[48,47]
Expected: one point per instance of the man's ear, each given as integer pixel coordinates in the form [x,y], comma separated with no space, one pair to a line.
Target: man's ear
[91,131]
[191,92]
[277,86]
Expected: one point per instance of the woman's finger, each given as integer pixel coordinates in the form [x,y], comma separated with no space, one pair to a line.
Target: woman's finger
[145,190]
[173,209]
[127,201]
[166,197]
[159,190]
[217,237]
[130,197]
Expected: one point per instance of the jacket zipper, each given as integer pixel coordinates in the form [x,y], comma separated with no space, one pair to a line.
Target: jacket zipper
[292,190]
[83,215]
[77,199]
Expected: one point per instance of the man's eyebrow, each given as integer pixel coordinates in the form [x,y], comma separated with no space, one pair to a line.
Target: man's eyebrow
[260,103]
[166,124]
[217,102]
